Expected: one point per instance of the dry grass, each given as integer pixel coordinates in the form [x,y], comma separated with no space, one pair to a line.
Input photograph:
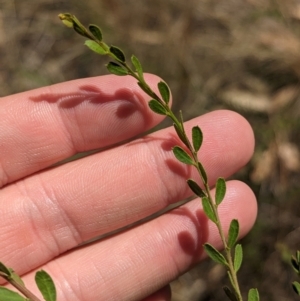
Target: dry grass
[237,54]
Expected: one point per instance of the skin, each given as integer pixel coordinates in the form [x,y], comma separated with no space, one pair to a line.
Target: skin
[48,211]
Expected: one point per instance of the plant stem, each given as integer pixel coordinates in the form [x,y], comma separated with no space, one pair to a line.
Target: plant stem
[207,190]
[21,288]
[227,250]
[228,254]
[179,127]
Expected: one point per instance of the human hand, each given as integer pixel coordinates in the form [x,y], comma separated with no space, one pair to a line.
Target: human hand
[48,212]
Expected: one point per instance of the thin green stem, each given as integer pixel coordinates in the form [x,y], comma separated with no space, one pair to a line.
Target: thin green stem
[227,250]
[150,92]
[21,288]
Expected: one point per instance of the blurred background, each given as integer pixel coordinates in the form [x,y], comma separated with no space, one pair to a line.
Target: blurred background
[242,55]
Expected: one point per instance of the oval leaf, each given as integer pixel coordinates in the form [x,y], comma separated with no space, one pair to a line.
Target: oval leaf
[214,254]
[143,88]
[180,134]
[4,269]
[157,107]
[238,257]
[8,295]
[295,264]
[296,287]
[230,294]
[118,53]
[95,31]
[71,21]
[164,91]
[116,69]
[203,172]
[233,233]
[182,156]
[208,209]
[66,19]
[295,260]
[253,295]
[197,138]
[46,285]
[220,190]
[94,46]
[80,29]
[196,188]
[137,65]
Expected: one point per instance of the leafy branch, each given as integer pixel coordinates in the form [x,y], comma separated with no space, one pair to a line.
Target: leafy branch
[295,260]
[43,281]
[233,254]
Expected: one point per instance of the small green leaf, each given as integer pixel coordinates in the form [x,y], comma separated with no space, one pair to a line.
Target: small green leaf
[253,295]
[116,69]
[220,190]
[196,188]
[46,285]
[4,269]
[80,29]
[197,138]
[8,295]
[71,21]
[16,277]
[295,260]
[143,88]
[164,91]
[296,287]
[298,256]
[233,233]
[295,264]
[96,32]
[208,210]
[94,46]
[181,118]
[238,257]
[180,134]
[179,128]
[214,254]
[182,156]
[138,66]
[203,172]
[231,295]
[157,107]
[66,19]
[118,53]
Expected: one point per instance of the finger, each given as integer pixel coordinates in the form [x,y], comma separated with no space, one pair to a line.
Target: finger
[44,126]
[60,208]
[163,294]
[135,263]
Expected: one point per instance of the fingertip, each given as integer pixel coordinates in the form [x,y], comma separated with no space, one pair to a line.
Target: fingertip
[228,140]
[239,203]
[163,294]
[244,128]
